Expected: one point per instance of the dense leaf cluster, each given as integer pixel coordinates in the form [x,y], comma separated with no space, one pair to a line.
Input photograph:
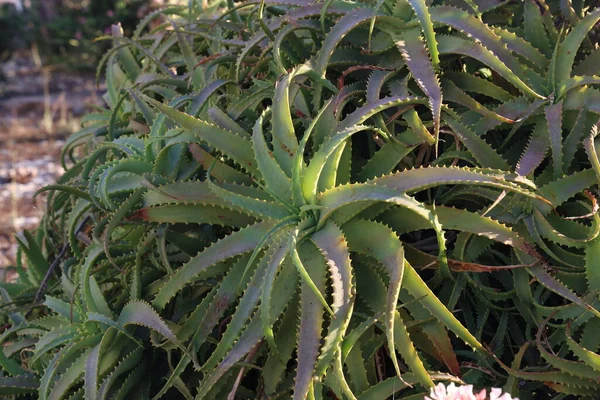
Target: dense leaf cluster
[332,200]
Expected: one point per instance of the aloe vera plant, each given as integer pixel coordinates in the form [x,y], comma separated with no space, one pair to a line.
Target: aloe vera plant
[342,200]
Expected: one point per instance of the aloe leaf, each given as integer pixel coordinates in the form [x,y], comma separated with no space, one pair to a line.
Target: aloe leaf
[37,264]
[523,48]
[285,342]
[276,180]
[246,306]
[138,312]
[376,82]
[436,332]
[299,264]
[91,372]
[518,109]
[340,196]
[195,213]
[592,252]
[106,174]
[132,381]
[287,33]
[249,339]
[53,339]
[66,188]
[418,132]
[113,222]
[350,126]
[402,222]
[419,290]
[313,172]
[69,356]
[252,334]
[206,316]
[266,209]
[568,48]
[17,318]
[325,114]
[331,201]
[125,57]
[424,16]
[380,242]
[68,378]
[564,188]
[455,45]
[141,48]
[574,368]
[367,111]
[95,251]
[285,143]
[311,321]
[551,283]
[590,358]
[536,150]
[18,385]
[258,37]
[230,144]
[235,244]
[11,366]
[376,300]
[384,160]
[76,222]
[590,147]
[417,179]
[415,56]
[357,372]
[589,65]
[185,47]
[345,24]
[571,83]
[453,94]
[481,150]
[144,108]
[129,362]
[538,25]
[223,120]
[583,97]
[477,29]
[566,233]
[337,167]
[553,119]
[471,83]
[332,244]
[273,265]
[220,170]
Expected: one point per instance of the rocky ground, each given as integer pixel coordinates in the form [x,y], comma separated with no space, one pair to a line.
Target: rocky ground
[39,109]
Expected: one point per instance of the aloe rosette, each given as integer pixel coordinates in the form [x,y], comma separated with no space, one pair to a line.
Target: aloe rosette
[295,199]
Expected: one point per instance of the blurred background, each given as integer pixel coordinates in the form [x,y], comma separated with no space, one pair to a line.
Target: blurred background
[48,57]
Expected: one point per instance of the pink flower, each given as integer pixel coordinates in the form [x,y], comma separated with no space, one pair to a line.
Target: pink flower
[452,392]
[497,395]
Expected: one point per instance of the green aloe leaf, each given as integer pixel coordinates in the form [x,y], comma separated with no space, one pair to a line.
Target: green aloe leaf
[311,322]
[568,48]
[415,56]
[230,144]
[380,242]
[332,244]
[238,243]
